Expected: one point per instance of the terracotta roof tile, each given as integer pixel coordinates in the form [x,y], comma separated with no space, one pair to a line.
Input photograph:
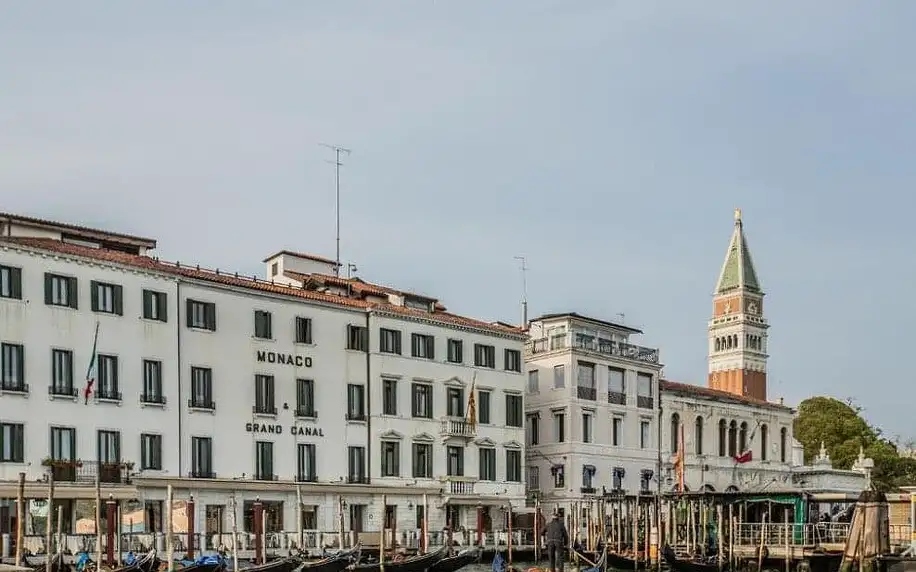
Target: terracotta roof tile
[215,276]
[75,227]
[708,393]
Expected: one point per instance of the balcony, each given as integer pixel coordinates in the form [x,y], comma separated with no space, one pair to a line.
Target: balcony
[14,387]
[352,416]
[457,427]
[265,476]
[264,409]
[589,393]
[108,395]
[306,412]
[205,404]
[306,478]
[456,485]
[152,398]
[357,480]
[616,398]
[77,471]
[645,402]
[588,490]
[62,391]
[616,349]
[202,474]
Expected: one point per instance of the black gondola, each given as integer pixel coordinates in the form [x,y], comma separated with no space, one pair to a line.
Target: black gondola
[455,562]
[282,565]
[681,565]
[204,567]
[417,563]
[146,563]
[618,562]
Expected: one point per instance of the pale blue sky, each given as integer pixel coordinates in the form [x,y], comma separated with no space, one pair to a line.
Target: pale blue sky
[607,141]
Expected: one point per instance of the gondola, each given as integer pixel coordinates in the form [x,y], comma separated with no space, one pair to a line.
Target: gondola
[418,563]
[456,562]
[146,563]
[57,564]
[618,562]
[681,565]
[287,564]
[210,563]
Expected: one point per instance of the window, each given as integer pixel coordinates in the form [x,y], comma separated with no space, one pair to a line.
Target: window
[109,447]
[644,441]
[274,268]
[63,443]
[202,458]
[484,356]
[201,315]
[454,461]
[733,439]
[389,397]
[422,398]
[487,464]
[305,398]
[534,478]
[616,389]
[152,382]
[675,432]
[356,400]
[61,291]
[454,402]
[742,438]
[150,452]
[356,464]
[422,460]
[587,427]
[423,346]
[12,442]
[109,384]
[533,381]
[10,282]
[616,431]
[585,381]
[357,338]
[264,461]
[306,471]
[559,427]
[389,341]
[107,298]
[644,391]
[263,329]
[455,351]
[723,437]
[588,477]
[201,388]
[698,435]
[515,416]
[514,466]
[391,459]
[533,428]
[559,376]
[559,476]
[62,373]
[357,517]
[764,434]
[645,477]
[264,396]
[619,473]
[783,445]
[303,330]
[513,360]
[12,367]
[483,407]
[155,306]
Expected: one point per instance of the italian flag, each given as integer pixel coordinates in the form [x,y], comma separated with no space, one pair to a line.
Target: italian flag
[93,372]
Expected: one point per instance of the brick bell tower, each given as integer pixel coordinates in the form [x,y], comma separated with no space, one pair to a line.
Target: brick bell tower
[738,329]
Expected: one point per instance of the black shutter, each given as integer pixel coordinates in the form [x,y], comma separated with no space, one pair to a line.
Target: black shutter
[22,377]
[119,300]
[189,307]
[73,293]
[16,283]
[162,306]
[211,316]
[49,288]
[94,295]
[147,303]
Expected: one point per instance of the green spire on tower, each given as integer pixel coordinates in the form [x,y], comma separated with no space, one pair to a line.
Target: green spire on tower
[738,270]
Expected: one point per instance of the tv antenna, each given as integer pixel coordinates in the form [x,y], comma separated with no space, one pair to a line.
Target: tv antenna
[336,162]
[524,269]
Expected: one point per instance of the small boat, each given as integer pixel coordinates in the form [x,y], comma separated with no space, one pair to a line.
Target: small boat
[618,562]
[456,562]
[146,563]
[282,565]
[683,565]
[209,563]
[335,563]
[419,563]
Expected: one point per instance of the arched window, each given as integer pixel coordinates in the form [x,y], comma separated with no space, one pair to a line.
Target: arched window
[763,442]
[736,340]
[722,437]
[698,435]
[783,436]
[733,439]
[675,431]
[742,438]
[718,344]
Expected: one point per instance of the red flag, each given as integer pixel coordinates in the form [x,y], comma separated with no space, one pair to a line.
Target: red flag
[745,457]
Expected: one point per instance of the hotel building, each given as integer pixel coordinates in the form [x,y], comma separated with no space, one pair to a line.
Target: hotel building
[311,393]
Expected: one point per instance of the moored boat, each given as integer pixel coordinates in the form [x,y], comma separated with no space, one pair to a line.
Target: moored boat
[456,562]
[684,565]
[418,563]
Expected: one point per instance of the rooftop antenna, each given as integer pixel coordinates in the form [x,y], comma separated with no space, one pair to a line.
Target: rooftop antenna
[336,162]
[524,269]
[623,319]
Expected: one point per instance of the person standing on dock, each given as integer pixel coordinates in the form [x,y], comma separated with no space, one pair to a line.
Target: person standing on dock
[557,539]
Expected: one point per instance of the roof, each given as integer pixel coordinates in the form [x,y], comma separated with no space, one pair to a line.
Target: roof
[738,269]
[596,321]
[356,285]
[251,283]
[303,255]
[701,392]
[98,233]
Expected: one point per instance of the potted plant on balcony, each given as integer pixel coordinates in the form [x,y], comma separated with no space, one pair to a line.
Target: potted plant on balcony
[62,469]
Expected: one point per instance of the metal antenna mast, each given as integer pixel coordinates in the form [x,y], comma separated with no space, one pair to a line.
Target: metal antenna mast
[336,162]
[524,269]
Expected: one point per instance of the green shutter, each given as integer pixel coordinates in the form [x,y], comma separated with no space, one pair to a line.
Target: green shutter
[119,300]
[94,295]
[49,287]
[73,292]
[147,303]
[210,313]
[189,305]
[163,308]
[16,283]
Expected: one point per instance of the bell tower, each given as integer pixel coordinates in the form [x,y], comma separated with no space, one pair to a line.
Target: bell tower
[738,328]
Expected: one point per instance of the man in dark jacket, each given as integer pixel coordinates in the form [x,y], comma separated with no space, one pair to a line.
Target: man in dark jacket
[557,540]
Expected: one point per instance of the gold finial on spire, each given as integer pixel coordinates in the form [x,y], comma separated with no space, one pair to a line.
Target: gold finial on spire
[737,215]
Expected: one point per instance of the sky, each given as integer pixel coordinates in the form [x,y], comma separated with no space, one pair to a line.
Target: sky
[607,142]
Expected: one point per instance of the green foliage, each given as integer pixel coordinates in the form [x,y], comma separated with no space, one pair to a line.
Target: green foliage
[843,430]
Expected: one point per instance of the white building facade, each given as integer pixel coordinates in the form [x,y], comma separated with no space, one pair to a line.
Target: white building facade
[309,393]
[592,409]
